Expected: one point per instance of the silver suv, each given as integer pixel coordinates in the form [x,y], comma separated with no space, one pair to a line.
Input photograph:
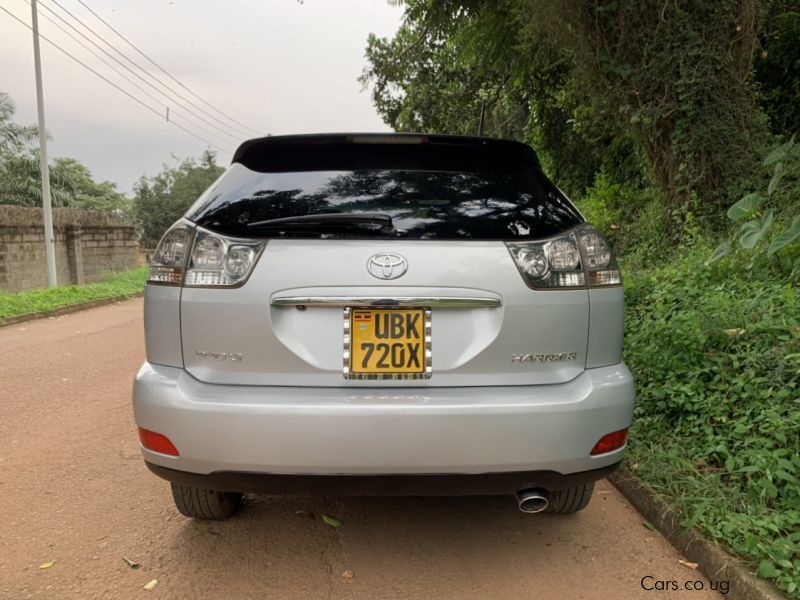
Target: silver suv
[383,314]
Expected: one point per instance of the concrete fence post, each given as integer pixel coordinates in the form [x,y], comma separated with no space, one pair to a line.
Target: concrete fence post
[75,254]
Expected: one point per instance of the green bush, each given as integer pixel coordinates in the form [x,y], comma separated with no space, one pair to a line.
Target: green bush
[758,212]
[634,219]
[715,351]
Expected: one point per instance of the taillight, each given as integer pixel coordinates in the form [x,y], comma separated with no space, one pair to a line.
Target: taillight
[157,442]
[574,259]
[610,442]
[194,257]
[220,261]
[599,261]
[169,259]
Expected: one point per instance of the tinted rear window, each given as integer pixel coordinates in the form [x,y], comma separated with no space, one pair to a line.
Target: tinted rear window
[430,193]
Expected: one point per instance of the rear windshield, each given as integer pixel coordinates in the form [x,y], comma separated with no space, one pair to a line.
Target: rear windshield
[434,204]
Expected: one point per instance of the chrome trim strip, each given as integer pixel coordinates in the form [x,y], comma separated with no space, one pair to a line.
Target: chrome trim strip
[380,302]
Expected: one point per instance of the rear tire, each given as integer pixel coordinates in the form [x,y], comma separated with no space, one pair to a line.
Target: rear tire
[198,503]
[570,500]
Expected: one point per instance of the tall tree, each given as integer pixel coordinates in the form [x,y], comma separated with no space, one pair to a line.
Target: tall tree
[71,182]
[778,66]
[470,68]
[161,200]
[87,193]
[672,82]
[13,137]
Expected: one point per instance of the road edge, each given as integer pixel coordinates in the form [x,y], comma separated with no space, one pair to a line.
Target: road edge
[67,309]
[712,560]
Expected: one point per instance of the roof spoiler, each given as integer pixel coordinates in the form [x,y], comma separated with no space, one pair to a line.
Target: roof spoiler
[349,151]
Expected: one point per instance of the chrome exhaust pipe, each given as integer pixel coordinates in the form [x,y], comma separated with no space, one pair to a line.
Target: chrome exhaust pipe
[533,501]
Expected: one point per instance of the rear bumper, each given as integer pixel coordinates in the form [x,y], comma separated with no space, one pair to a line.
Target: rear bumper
[234,433]
[381,485]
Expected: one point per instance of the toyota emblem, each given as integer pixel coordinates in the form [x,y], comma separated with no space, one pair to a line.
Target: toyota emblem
[387,266]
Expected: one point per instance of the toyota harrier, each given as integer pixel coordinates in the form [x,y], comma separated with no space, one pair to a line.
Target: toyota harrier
[383,314]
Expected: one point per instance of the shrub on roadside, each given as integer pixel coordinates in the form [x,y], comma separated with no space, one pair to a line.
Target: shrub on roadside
[715,351]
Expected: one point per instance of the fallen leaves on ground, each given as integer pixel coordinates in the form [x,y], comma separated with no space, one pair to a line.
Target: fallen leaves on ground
[131,563]
[733,332]
[686,563]
[332,521]
[150,584]
[47,565]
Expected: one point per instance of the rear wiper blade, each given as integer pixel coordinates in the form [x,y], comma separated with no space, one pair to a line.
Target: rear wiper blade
[385,221]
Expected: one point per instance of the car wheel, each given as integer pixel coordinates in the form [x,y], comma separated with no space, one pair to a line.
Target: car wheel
[570,500]
[198,503]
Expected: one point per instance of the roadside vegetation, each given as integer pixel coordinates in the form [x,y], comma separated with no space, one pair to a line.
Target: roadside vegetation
[671,125]
[71,182]
[715,351]
[114,285]
[716,356]
[157,201]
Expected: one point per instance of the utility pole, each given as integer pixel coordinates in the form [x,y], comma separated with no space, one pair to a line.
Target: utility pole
[49,241]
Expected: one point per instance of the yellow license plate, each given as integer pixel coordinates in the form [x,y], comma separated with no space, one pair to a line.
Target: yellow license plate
[387,341]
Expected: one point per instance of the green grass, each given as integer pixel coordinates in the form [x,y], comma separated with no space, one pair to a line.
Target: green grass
[46,300]
[715,352]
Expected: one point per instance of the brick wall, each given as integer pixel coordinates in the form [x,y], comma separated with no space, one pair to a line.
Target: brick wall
[88,245]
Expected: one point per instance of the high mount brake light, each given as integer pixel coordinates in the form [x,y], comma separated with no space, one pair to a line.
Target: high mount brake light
[194,257]
[574,259]
[388,139]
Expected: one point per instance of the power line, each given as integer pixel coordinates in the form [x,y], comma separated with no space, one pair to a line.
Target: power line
[127,68]
[165,72]
[108,81]
[227,126]
[125,77]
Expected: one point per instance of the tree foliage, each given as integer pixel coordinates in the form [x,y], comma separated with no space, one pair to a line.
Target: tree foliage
[71,182]
[656,90]
[161,200]
[13,137]
[158,201]
[777,67]
[88,193]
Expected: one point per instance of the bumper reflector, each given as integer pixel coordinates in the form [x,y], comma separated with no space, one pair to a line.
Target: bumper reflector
[610,442]
[157,442]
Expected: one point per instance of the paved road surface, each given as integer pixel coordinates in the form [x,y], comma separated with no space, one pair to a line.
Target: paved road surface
[73,489]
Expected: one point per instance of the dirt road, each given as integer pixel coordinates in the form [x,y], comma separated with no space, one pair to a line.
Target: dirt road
[75,491]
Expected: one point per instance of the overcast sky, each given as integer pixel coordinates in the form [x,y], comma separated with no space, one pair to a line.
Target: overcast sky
[277,66]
